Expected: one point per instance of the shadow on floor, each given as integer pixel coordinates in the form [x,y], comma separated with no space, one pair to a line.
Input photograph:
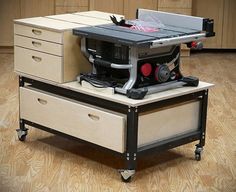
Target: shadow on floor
[108,158]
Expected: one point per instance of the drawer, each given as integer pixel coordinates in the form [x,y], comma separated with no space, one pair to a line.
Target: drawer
[38,45]
[38,64]
[73,118]
[38,33]
[168,122]
[175,3]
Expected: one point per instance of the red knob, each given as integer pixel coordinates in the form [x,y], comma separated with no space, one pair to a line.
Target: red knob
[146,69]
[194,44]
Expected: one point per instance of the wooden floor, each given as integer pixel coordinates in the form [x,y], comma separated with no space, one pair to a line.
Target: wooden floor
[50,163]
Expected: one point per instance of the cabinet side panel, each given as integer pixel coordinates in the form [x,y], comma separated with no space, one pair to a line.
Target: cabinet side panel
[74,60]
[168,123]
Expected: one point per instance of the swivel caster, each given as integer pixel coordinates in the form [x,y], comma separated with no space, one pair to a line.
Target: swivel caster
[126,175]
[22,134]
[198,153]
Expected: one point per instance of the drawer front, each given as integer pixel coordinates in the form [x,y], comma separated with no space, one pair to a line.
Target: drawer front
[38,45]
[168,123]
[85,122]
[38,64]
[175,3]
[38,33]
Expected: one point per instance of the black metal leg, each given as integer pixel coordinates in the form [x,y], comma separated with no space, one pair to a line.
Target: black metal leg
[199,147]
[22,131]
[204,118]
[132,138]
[131,144]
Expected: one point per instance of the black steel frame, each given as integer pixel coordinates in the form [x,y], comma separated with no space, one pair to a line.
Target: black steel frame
[132,113]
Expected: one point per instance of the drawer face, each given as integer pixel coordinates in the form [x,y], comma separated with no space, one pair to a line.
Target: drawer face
[38,33]
[38,45]
[38,64]
[85,122]
[168,123]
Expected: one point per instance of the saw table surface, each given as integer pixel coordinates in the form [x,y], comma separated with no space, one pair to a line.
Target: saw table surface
[127,36]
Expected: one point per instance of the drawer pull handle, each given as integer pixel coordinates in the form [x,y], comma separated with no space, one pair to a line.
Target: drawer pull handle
[36,32]
[37,59]
[93,117]
[36,44]
[42,101]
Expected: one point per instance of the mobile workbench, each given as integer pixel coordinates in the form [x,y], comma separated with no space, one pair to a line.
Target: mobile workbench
[47,58]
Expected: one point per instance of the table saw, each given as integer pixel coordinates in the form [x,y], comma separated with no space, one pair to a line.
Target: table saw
[135,57]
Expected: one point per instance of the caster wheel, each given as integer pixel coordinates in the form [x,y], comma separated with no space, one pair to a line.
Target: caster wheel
[22,138]
[198,156]
[198,153]
[126,175]
[128,180]
[21,134]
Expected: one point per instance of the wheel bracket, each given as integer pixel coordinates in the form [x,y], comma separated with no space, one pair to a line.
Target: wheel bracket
[126,173]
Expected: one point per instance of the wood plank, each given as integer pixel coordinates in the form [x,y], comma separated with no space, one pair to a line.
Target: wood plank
[113,6]
[184,11]
[229,26]
[69,9]
[211,9]
[6,49]
[175,3]
[35,8]
[72,3]
[79,19]
[9,10]
[131,6]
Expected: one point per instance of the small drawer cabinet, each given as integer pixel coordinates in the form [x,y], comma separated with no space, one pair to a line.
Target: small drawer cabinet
[48,59]
[47,49]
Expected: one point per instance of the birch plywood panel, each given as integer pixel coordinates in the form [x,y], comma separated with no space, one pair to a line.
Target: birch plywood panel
[175,3]
[34,8]
[131,6]
[229,32]
[112,6]
[70,6]
[72,3]
[50,163]
[211,9]
[9,10]
[62,9]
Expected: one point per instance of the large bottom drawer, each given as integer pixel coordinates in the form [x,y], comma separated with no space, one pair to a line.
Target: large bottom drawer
[95,125]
